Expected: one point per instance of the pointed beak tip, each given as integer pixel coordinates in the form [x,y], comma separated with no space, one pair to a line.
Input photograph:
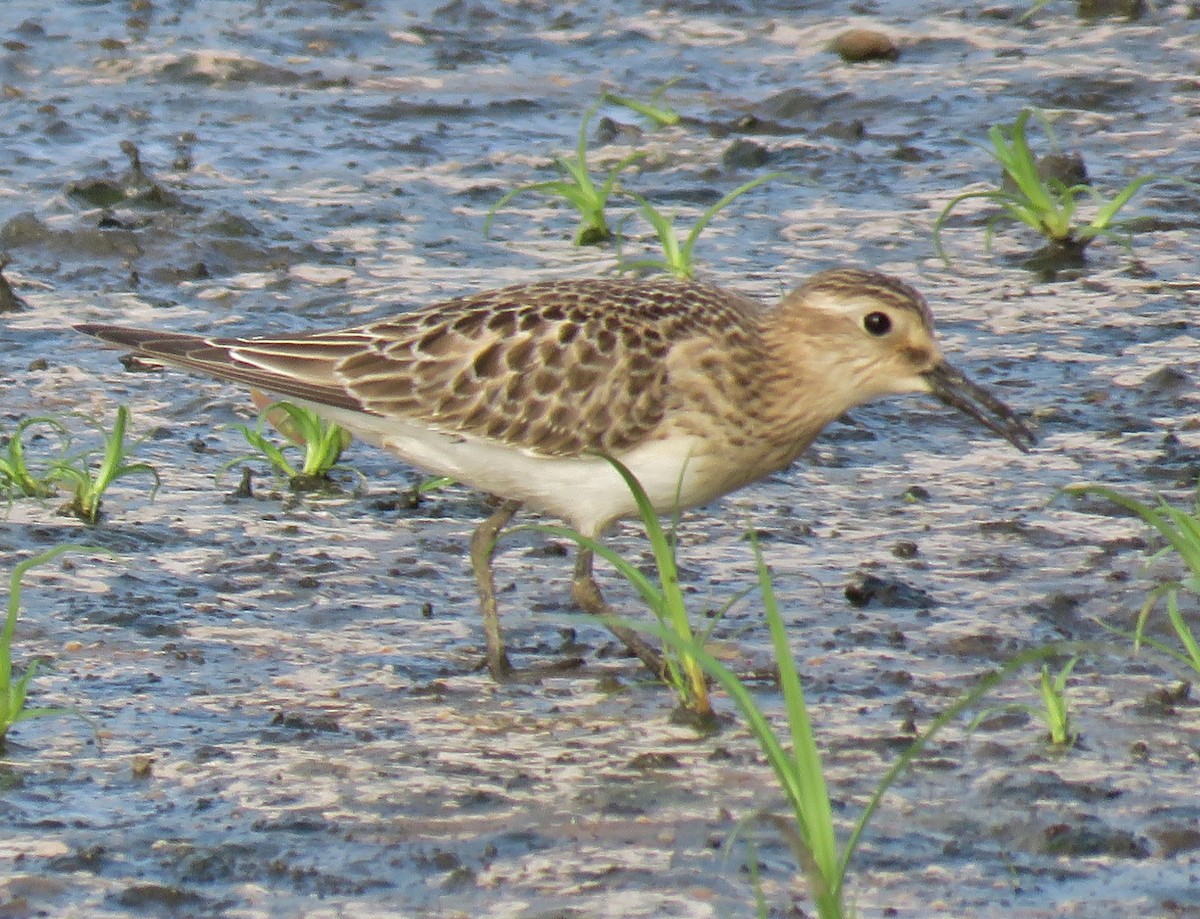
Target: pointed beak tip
[958,391]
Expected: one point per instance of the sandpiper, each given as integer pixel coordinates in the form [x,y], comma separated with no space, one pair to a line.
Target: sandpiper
[522,392]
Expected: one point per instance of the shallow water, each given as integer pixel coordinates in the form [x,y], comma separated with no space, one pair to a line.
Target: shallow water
[287,720]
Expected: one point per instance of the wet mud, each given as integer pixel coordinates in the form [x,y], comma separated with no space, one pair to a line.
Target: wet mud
[285,715]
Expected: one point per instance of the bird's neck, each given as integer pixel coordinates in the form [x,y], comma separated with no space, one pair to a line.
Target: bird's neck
[806,384]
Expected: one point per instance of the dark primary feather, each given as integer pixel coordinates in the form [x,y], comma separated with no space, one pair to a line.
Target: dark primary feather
[213,356]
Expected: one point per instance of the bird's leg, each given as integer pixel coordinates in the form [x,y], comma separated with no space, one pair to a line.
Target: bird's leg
[587,595]
[483,548]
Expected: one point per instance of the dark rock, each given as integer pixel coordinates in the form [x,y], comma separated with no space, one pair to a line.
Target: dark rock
[845,130]
[1174,838]
[1165,701]
[865,589]
[1098,9]
[306,723]
[1067,168]
[980,644]
[9,301]
[155,897]
[1064,839]
[792,104]
[1165,380]
[915,494]
[608,131]
[745,154]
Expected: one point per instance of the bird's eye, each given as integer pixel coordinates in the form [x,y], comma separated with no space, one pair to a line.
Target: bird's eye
[877,323]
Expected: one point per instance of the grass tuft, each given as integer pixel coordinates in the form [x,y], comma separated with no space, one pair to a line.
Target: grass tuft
[17,477]
[1181,529]
[14,692]
[679,258]
[793,754]
[90,485]
[1054,712]
[578,188]
[591,197]
[323,444]
[1046,205]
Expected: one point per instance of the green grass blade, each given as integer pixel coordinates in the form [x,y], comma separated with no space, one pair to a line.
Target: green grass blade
[1186,637]
[1162,522]
[581,139]
[610,181]
[826,890]
[1021,212]
[705,218]
[645,588]
[509,195]
[1033,10]
[664,228]
[645,264]
[668,572]
[268,450]
[940,222]
[12,696]
[967,700]
[583,189]
[1106,214]
[323,442]
[139,469]
[1022,166]
[16,468]
[652,595]
[434,483]
[666,599]
[661,115]
[1139,640]
[1187,529]
[43,711]
[1054,712]
[1060,681]
[814,810]
[114,451]
[1139,628]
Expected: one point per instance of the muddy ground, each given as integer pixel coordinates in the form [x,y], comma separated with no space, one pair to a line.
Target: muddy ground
[284,718]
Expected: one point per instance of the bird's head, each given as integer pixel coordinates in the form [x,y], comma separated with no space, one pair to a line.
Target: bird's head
[871,335]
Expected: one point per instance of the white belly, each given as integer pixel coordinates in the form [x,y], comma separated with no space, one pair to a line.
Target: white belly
[586,491]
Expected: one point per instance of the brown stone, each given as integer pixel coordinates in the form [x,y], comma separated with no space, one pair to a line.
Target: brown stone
[857,45]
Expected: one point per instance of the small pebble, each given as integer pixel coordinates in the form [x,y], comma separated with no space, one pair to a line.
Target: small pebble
[744,154]
[855,46]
